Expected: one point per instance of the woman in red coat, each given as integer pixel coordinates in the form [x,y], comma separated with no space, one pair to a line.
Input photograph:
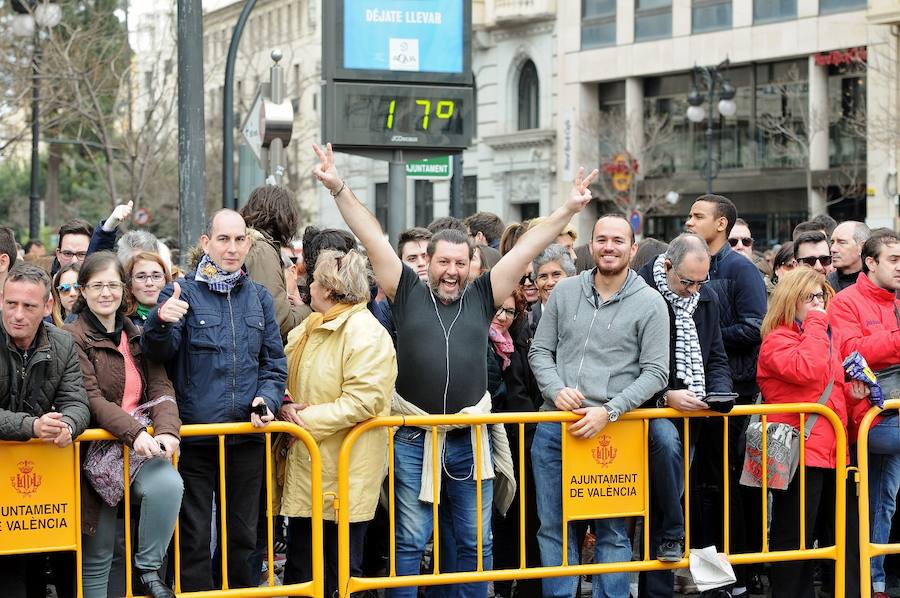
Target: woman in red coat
[799,356]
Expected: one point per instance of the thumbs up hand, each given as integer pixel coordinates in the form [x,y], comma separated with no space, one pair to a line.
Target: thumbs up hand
[174,308]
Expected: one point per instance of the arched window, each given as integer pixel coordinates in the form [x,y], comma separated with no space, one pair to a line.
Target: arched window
[529,108]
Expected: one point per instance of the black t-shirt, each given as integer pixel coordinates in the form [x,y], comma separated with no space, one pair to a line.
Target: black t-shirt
[422,348]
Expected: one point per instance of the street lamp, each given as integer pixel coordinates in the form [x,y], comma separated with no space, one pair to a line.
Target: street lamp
[32,16]
[713,79]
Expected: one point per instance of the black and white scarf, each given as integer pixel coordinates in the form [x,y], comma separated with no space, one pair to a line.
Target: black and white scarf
[688,357]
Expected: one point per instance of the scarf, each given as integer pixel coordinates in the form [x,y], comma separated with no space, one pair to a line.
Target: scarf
[142,311]
[688,357]
[215,277]
[297,342]
[503,344]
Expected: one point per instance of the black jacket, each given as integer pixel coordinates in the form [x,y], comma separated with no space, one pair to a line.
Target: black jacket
[706,318]
[742,307]
[51,382]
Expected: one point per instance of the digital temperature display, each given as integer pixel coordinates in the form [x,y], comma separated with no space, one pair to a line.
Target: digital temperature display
[402,116]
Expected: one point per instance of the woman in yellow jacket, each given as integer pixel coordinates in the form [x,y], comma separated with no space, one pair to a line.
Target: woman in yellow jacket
[341,371]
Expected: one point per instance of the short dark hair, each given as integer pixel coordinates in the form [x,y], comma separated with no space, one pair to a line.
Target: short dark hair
[272,210]
[448,222]
[417,234]
[486,223]
[618,216]
[813,236]
[32,243]
[741,222]
[452,236]
[23,271]
[874,244]
[827,223]
[724,209]
[97,262]
[8,245]
[74,227]
[807,226]
[317,240]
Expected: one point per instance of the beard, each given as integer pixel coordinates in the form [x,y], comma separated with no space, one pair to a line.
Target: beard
[435,286]
[610,270]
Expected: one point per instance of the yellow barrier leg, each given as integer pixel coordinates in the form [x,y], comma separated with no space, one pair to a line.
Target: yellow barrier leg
[223,549]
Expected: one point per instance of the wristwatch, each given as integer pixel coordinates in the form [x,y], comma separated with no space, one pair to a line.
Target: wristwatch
[663,401]
[613,414]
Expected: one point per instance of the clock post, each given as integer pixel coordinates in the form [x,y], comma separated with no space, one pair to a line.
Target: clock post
[398,84]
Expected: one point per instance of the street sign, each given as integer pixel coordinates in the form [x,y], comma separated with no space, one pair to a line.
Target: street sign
[440,167]
[252,129]
[141,216]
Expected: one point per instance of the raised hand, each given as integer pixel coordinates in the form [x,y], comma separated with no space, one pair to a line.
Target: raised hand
[325,170]
[580,195]
[174,308]
[119,214]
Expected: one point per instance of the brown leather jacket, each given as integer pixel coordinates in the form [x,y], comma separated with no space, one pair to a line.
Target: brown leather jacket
[103,368]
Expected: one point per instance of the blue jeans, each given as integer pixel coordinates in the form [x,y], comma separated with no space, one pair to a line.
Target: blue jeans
[884,482]
[613,544]
[159,488]
[413,518]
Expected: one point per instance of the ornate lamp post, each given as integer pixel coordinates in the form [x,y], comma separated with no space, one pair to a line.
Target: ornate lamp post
[32,16]
[715,82]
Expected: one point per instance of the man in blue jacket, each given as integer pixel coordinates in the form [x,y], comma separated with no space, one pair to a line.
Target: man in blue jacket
[742,302]
[698,367]
[216,331]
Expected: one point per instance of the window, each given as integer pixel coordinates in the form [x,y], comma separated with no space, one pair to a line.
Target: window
[470,195]
[773,10]
[652,19]
[381,204]
[424,209]
[847,116]
[710,15]
[826,6]
[598,23]
[528,97]
[528,211]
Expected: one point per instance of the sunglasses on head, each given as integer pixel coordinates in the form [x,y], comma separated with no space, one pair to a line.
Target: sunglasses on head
[745,241]
[812,259]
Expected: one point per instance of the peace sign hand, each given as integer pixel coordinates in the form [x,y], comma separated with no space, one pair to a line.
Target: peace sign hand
[325,170]
[580,196]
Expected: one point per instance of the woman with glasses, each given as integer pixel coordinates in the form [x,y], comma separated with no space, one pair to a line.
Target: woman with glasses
[126,394]
[800,362]
[65,293]
[147,275]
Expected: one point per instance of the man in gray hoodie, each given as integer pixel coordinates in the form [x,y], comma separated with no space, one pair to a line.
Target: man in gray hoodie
[600,350]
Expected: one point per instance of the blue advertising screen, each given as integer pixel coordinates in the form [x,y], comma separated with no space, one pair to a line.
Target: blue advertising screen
[423,36]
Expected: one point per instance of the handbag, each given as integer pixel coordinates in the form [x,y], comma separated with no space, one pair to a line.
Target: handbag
[889,378]
[783,449]
[104,462]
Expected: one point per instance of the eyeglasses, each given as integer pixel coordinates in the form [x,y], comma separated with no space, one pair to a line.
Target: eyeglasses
[67,288]
[745,241]
[510,313]
[812,297]
[155,277]
[812,259]
[76,254]
[688,283]
[527,279]
[97,287]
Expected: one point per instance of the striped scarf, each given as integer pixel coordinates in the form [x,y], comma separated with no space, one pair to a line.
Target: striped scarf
[688,357]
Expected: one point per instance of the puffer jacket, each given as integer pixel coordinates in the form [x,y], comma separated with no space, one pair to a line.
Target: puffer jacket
[795,365]
[51,382]
[347,376]
[263,264]
[103,368]
[742,307]
[225,352]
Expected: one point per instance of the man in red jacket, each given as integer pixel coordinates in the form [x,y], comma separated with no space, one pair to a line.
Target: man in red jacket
[867,317]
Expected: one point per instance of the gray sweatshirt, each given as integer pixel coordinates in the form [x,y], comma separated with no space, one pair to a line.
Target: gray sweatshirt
[616,352]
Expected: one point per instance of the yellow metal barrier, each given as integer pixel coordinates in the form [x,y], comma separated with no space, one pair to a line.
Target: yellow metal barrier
[349,584]
[868,549]
[313,588]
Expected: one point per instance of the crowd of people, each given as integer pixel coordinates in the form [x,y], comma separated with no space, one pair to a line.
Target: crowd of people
[465,317]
